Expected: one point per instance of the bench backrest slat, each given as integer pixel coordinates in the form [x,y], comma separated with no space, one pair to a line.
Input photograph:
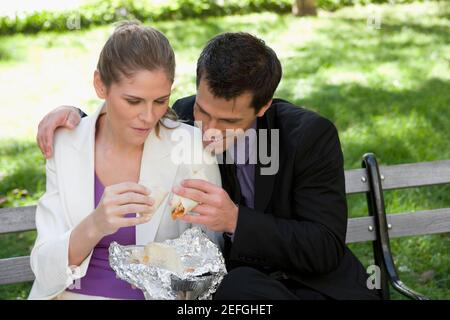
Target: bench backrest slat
[401,176]
[17,219]
[403,224]
[15,270]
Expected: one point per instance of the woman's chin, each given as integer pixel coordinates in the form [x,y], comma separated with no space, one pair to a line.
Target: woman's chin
[137,138]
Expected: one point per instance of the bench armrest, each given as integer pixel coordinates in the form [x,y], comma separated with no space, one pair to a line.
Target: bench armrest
[381,246]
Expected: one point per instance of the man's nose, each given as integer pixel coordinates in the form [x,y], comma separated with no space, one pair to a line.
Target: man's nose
[213,134]
[210,125]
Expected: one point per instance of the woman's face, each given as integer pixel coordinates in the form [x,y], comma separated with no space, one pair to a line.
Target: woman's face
[135,104]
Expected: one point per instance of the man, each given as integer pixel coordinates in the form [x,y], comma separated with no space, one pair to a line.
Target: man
[284,231]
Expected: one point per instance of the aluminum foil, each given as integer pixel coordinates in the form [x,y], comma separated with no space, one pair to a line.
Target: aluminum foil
[199,256]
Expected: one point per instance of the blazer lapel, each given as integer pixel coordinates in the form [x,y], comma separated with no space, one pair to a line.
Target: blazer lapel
[157,169]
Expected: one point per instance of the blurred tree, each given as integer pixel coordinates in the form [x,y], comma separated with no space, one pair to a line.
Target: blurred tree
[304,8]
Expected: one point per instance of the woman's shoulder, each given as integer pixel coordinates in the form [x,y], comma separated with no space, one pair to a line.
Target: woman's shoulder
[186,141]
[76,136]
[175,129]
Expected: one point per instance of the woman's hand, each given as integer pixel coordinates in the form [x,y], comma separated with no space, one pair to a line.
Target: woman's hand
[108,217]
[117,201]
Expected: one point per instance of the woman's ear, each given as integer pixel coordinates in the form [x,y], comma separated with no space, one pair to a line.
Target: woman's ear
[263,110]
[100,88]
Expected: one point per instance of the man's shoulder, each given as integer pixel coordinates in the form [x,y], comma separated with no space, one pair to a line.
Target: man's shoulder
[297,122]
[184,108]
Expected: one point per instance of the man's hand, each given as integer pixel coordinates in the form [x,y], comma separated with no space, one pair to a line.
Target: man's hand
[216,210]
[63,116]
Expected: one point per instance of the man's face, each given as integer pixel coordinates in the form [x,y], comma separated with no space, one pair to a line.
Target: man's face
[216,116]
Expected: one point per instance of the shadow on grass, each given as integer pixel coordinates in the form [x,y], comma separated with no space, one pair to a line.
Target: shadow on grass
[399,125]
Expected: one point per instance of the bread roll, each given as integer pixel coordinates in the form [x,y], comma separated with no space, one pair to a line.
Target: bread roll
[163,256]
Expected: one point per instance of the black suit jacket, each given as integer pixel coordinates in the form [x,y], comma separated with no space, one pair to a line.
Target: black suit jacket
[299,223]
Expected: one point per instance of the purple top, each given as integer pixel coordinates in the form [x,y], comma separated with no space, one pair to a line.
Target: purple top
[100,279]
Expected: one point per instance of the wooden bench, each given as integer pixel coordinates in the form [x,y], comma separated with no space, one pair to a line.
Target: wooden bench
[378,227]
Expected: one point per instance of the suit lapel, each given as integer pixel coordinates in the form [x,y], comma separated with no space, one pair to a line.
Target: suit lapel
[264,184]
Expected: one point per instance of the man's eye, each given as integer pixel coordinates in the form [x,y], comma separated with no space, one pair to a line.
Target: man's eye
[230,121]
[199,110]
[133,102]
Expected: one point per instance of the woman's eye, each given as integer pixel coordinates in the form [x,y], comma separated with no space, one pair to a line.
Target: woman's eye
[133,102]
[160,102]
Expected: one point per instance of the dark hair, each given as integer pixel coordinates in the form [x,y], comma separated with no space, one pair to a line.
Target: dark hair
[133,47]
[234,63]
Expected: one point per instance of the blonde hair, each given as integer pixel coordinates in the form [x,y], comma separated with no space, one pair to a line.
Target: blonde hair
[134,47]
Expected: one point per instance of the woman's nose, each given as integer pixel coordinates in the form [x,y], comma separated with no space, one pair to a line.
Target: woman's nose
[146,114]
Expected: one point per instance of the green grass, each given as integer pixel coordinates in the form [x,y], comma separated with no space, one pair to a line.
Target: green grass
[387,90]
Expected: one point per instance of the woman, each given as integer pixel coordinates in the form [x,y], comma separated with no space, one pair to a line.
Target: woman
[92,191]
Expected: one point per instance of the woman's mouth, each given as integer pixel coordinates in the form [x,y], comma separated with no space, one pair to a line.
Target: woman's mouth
[141,130]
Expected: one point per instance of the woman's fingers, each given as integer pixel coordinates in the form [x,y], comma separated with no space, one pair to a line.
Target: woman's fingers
[129,222]
[131,208]
[131,197]
[125,187]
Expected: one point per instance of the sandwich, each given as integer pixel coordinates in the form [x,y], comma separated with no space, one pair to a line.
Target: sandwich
[179,205]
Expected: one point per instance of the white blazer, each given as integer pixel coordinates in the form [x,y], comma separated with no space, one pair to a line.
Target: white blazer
[69,198]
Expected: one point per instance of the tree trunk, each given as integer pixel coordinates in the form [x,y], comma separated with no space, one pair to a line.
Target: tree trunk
[304,8]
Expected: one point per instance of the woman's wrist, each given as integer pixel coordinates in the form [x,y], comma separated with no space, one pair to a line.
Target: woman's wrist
[92,231]
[83,239]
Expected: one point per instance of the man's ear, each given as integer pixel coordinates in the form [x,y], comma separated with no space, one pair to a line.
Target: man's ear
[100,88]
[263,110]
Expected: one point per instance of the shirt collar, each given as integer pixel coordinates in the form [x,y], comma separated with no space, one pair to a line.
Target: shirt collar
[245,147]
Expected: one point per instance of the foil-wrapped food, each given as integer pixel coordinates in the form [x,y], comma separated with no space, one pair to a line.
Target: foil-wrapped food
[187,268]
